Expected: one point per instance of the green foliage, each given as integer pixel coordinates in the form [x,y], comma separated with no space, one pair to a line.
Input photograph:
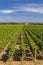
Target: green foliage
[35,31]
[22,45]
[31,43]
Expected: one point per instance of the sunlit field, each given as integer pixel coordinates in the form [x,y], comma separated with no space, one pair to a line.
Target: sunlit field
[21,44]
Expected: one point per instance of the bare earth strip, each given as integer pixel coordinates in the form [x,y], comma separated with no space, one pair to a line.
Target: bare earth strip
[28,63]
[24,63]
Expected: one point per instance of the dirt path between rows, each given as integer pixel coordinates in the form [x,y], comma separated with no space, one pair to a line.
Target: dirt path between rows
[24,63]
[27,63]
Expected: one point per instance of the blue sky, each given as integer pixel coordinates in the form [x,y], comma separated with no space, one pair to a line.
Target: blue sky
[21,10]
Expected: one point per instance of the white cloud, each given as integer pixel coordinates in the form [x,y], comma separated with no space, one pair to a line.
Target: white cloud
[35,8]
[35,5]
[6,11]
[31,9]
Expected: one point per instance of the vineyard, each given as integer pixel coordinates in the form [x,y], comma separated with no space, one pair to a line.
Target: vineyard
[21,43]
